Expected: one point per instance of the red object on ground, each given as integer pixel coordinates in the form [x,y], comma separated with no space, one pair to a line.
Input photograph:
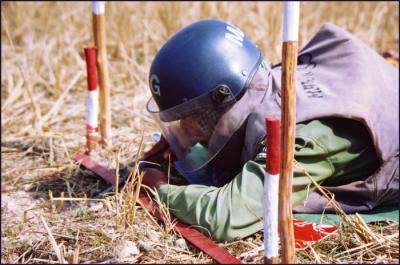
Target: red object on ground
[306,232]
[91,164]
[189,233]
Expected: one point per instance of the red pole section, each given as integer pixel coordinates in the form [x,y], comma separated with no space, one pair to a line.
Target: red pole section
[92,104]
[271,190]
[273,129]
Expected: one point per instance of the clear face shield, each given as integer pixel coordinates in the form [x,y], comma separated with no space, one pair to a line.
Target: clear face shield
[191,127]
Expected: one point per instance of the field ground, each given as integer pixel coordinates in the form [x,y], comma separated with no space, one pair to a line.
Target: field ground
[43,95]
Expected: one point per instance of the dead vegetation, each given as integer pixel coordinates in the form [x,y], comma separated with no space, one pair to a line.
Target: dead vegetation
[43,91]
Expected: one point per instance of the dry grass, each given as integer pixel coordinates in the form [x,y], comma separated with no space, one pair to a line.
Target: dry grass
[43,91]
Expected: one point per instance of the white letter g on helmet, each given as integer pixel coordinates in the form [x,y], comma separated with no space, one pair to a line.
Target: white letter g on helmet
[155,84]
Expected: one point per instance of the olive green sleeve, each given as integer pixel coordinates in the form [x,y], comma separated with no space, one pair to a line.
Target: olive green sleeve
[235,210]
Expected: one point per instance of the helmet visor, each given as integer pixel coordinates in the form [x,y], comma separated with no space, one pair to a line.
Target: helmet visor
[189,137]
[220,97]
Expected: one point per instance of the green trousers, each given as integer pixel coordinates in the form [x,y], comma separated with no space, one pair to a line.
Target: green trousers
[331,150]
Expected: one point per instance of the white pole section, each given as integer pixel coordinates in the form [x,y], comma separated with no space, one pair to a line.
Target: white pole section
[98,7]
[291,18]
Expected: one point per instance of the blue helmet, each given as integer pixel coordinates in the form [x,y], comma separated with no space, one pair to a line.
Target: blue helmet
[206,64]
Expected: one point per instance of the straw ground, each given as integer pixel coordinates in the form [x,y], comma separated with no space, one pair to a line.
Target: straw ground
[43,92]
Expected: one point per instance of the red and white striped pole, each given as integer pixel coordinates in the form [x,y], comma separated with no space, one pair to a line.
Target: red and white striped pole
[92,104]
[271,190]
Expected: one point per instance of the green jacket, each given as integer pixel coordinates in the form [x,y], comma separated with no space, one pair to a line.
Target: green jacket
[334,151]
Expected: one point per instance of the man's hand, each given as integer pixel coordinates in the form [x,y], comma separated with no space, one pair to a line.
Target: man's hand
[154,178]
[159,152]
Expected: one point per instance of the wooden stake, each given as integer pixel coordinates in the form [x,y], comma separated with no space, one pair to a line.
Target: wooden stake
[102,68]
[271,190]
[289,63]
